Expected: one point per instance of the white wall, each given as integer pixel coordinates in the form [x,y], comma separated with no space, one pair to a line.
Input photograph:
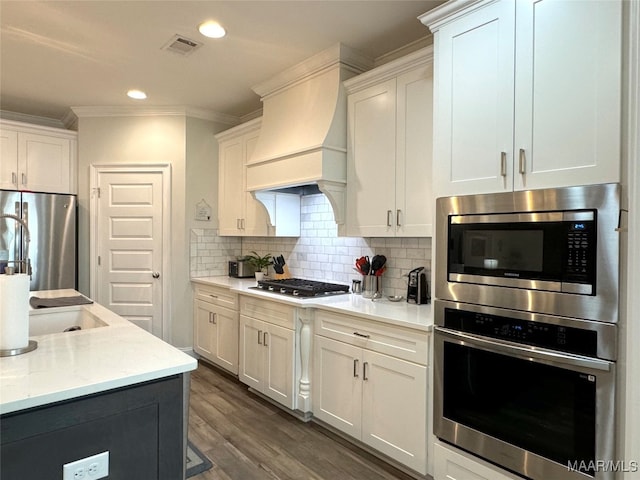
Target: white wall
[189,147]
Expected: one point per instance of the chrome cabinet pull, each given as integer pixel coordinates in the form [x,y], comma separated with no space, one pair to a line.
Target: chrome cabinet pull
[264,339]
[14,178]
[237,224]
[24,179]
[364,371]
[398,217]
[355,368]
[503,164]
[215,318]
[363,335]
[213,296]
[522,163]
[389,213]
[243,226]
[259,337]
[210,317]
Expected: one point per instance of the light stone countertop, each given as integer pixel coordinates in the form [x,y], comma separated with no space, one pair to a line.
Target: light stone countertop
[403,314]
[75,364]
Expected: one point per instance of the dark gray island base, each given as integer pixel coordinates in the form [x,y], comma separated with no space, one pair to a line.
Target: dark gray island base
[142,427]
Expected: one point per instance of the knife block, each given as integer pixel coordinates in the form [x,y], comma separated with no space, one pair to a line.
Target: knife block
[282,276]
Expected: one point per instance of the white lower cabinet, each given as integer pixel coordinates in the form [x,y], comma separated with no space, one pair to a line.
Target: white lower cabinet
[376,398]
[452,464]
[215,329]
[216,335]
[267,350]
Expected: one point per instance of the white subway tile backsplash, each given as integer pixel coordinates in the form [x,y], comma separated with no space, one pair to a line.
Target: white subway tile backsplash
[318,253]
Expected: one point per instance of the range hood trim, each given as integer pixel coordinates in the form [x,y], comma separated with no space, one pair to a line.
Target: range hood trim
[348,58]
[303,139]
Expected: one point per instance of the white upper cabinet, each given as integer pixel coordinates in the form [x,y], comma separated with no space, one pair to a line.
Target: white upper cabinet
[239,214]
[268,214]
[528,94]
[389,149]
[39,159]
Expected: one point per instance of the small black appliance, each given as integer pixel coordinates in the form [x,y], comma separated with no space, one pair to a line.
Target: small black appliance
[418,289]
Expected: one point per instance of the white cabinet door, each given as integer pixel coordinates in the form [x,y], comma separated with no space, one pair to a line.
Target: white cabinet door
[279,360]
[267,359]
[453,464]
[251,352]
[203,338]
[567,97]
[226,338]
[414,146]
[337,391]
[239,214]
[9,156]
[231,187]
[474,125]
[394,408]
[255,219]
[44,163]
[371,162]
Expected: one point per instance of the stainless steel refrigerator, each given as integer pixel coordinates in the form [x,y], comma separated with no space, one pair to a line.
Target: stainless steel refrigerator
[52,221]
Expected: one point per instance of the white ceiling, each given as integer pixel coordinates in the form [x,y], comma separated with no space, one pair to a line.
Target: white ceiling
[58,54]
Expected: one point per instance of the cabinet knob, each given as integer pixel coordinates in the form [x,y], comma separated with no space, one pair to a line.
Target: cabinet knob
[155,274]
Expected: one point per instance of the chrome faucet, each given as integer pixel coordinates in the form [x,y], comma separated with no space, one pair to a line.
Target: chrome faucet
[24,264]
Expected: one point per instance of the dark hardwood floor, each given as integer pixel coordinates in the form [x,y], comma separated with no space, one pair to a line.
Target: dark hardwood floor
[247,438]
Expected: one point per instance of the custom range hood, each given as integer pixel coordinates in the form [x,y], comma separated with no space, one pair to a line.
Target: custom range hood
[303,139]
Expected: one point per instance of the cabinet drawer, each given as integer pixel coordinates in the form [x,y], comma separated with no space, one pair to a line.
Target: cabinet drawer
[392,340]
[268,311]
[216,295]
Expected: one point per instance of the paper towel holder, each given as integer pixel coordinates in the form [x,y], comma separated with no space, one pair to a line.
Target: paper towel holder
[10,352]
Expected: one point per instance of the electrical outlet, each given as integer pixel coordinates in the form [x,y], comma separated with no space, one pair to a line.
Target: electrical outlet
[89,468]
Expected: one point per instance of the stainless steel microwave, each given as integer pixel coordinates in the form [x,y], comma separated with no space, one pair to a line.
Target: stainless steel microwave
[550,251]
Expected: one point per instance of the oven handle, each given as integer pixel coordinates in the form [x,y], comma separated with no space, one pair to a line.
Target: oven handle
[524,352]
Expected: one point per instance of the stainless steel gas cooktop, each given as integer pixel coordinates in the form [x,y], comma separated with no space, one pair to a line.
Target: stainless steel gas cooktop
[300,287]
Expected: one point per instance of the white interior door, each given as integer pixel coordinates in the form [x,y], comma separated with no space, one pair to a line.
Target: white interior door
[129,224]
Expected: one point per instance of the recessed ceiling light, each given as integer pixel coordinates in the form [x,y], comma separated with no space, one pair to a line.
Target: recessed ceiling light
[212,29]
[136,94]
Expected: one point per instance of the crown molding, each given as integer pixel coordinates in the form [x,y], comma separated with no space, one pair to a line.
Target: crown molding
[333,56]
[439,16]
[33,119]
[153,111]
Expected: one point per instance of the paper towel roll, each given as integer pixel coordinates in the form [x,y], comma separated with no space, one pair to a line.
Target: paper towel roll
[14,311]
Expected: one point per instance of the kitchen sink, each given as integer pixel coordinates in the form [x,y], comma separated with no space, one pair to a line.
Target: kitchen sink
[46,321]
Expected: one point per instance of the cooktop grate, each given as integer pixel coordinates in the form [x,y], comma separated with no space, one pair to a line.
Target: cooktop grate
[300,287]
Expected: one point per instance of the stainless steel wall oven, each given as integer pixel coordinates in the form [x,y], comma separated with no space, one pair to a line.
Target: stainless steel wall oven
[525,341]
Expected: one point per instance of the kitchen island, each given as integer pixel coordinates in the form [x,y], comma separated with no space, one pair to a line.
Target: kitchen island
[113,387]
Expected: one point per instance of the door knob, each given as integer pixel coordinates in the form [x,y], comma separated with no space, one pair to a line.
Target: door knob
[155,274]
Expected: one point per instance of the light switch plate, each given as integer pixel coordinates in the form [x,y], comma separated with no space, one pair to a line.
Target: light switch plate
[89,468]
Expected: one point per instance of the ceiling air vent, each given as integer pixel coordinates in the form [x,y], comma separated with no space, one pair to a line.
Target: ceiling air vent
[181,45]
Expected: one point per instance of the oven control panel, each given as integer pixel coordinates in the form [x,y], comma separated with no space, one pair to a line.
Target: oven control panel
[546,335]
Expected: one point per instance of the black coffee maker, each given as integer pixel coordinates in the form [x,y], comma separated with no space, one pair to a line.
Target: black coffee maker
[418,289]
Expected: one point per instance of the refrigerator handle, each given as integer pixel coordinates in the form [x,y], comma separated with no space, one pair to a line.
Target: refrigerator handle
[17,242]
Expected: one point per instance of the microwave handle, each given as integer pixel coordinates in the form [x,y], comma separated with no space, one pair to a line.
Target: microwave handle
[524,351]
